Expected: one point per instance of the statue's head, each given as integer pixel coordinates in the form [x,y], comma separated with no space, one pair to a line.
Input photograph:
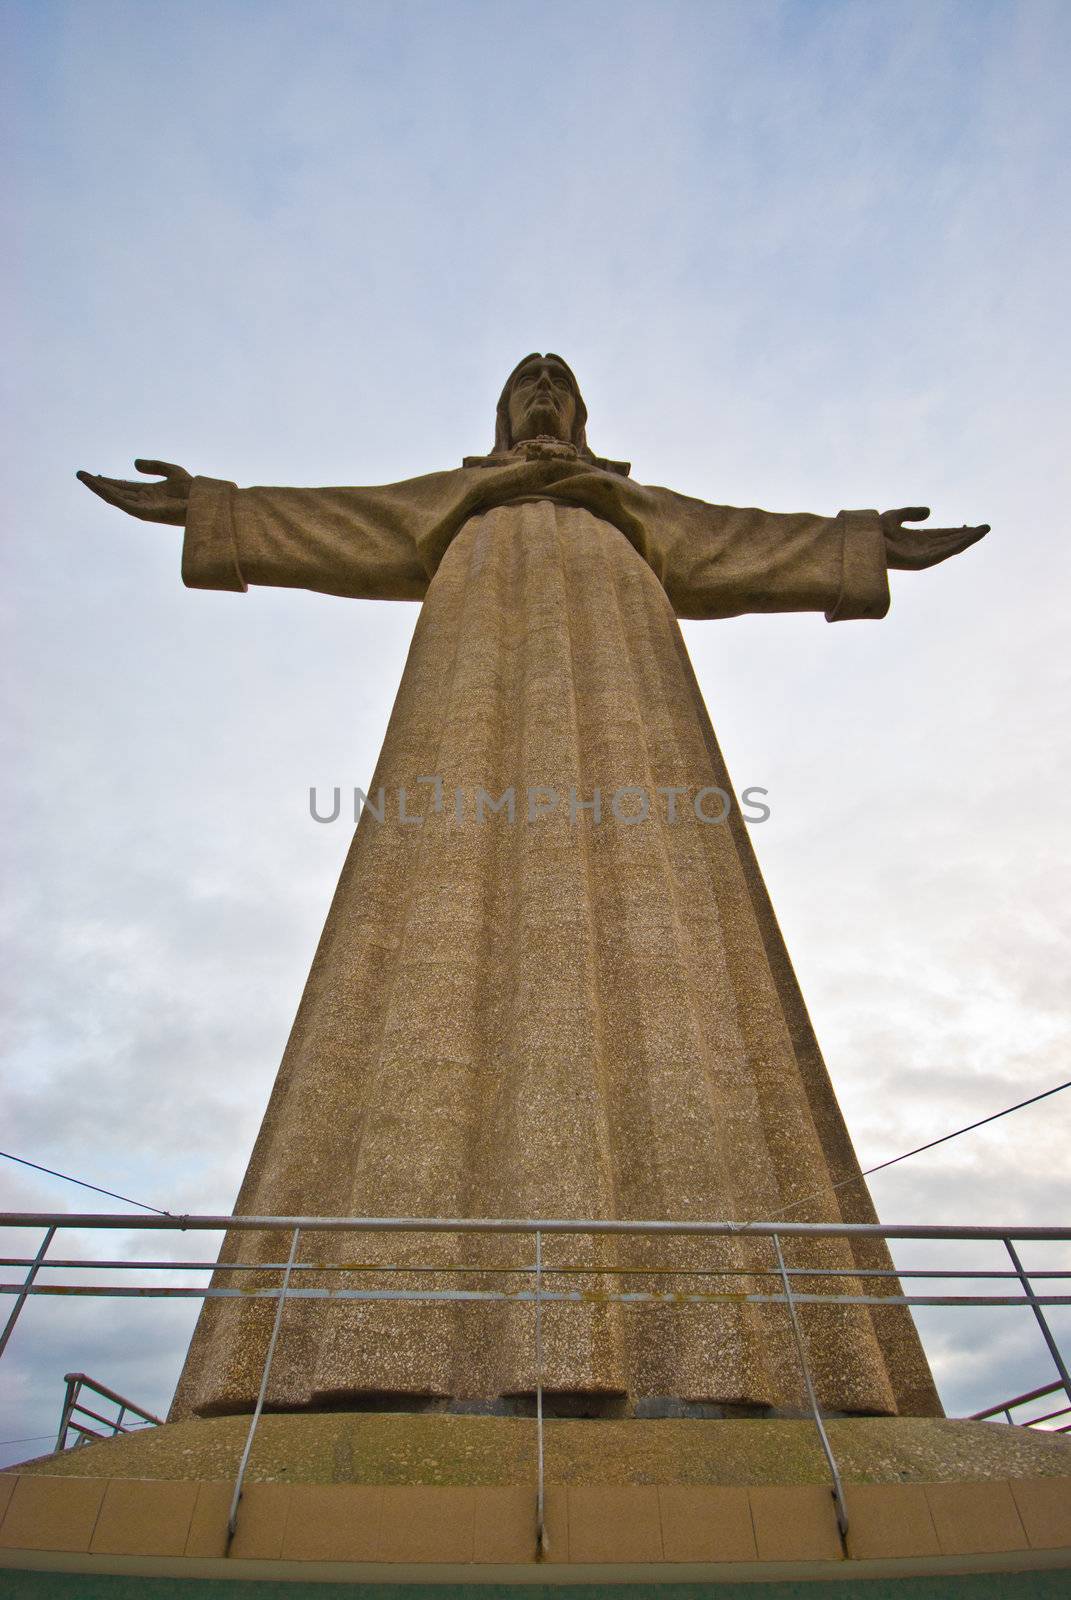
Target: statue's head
[542,401]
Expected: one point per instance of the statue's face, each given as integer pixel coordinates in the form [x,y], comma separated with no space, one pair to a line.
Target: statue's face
[542,402]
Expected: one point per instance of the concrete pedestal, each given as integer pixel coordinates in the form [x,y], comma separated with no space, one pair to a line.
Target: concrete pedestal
[437,1500]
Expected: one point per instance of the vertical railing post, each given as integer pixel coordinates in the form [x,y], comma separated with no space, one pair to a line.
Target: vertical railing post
[232,1520]
[1028,1290]
[73,1385]
[838,1488]
[20,1299]
[541,1526]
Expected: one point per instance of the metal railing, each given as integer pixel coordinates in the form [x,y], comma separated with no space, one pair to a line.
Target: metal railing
[781,1292]
[73,1408]
[1006,1407]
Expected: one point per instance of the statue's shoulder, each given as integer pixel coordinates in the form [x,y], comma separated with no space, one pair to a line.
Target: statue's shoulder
[426,484]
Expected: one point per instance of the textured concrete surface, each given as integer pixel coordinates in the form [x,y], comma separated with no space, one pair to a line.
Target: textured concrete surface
[338,1528]
[335,1447]
[559,1017]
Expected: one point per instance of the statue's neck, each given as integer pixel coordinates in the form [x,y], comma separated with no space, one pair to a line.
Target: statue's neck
[546,448]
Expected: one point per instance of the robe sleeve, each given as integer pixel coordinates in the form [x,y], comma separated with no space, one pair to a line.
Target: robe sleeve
[356,542]
[722,561]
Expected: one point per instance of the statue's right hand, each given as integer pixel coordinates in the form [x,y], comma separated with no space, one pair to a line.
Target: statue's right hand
[153,502]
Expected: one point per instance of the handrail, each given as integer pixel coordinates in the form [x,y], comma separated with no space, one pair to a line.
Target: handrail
[637,1297]
[239,1224]
[1018,1400]
[76,1382]
[821,1291]
[561,1269]
[87,1382]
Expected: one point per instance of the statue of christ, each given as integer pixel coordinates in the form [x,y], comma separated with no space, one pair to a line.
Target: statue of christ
[576,1006]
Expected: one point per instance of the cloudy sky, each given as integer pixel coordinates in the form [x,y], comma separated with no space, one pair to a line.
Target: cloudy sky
[800,255]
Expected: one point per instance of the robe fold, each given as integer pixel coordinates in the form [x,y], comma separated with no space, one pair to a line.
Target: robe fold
[562,1013]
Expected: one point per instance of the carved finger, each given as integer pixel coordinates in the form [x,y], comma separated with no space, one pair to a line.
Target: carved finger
[95,484]
[963,538]
[164,469]
[129,484]
[911,513]
[953,539]
[110,489]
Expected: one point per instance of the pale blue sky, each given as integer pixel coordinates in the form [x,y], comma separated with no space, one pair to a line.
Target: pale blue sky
[800,255]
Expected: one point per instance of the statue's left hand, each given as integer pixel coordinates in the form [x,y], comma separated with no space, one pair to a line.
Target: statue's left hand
[152,502]
[911,549]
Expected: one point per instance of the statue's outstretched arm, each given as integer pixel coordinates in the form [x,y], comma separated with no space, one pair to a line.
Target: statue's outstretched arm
[152,502]
[727,561]
[911,549]
[345,541]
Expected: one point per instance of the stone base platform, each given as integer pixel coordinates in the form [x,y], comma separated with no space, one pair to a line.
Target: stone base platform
[450,1500]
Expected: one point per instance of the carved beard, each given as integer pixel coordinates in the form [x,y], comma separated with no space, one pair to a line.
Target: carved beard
[545,417]
[547,447]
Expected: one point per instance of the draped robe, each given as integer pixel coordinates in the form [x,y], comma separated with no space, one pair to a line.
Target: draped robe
[560,1017]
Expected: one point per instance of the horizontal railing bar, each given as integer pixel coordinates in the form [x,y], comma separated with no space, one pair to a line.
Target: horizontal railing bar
[87,1411]
[492,1225]
[469,1268]
[1032,1422]
[566,1296]
[133,1263]
[85,1382]
[90,1433]
[1019,1400]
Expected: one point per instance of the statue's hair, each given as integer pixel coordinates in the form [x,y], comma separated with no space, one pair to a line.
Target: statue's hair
[503,435]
